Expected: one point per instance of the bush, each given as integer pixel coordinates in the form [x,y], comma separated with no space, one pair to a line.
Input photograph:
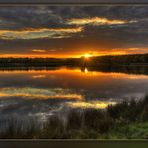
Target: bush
[144,114]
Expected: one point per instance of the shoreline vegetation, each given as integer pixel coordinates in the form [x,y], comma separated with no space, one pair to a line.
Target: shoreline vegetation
[130,64]
[126,120]
[110,60]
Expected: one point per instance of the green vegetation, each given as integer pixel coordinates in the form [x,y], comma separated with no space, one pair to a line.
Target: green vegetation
[126,120]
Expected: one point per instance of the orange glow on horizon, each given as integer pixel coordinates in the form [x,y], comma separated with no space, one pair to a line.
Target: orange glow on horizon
[87,55]
[41,54]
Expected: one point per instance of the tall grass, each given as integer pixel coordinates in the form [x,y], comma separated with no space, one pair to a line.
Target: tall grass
[123,120]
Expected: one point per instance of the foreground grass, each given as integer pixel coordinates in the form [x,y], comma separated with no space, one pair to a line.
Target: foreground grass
[131,131]
[126,120]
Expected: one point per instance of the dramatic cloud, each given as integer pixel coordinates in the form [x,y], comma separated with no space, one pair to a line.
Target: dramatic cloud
[38,33]
[97,21]
[61,31]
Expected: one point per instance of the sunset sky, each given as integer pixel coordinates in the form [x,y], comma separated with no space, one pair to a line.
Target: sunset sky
[73,31]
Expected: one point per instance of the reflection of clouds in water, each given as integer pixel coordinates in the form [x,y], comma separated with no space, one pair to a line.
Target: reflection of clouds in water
[34,103]
[37,93]
[41,95]
[127,76]
[94,83]
[90,104]
[134,95]
[16,106]
[38,76]
[26,110]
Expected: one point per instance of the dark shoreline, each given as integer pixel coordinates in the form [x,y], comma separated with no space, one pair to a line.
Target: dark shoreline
[109,63]
[110,60]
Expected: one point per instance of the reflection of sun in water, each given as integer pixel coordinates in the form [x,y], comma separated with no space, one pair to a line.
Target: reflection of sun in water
[86,70]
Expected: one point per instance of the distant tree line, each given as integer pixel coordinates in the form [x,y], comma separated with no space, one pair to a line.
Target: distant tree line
[37,62]
[131,59]
[135,59]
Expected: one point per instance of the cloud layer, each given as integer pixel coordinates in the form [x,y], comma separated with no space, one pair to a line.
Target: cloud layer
[38,33]
[73,30]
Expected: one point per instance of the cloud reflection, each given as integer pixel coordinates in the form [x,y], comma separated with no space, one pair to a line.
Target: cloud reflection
[36,93]
[90,104]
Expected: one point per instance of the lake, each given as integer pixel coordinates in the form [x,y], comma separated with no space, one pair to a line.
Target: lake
[41,93]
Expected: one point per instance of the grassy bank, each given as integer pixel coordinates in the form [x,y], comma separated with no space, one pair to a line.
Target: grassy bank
[126,120]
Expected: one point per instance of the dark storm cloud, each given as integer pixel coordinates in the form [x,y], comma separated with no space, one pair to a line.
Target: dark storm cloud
[19,17]
[121,27]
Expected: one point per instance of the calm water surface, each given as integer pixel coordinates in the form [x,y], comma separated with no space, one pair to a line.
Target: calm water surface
[39,94]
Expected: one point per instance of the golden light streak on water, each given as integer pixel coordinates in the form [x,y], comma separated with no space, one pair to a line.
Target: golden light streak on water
[35,93]
[91,104]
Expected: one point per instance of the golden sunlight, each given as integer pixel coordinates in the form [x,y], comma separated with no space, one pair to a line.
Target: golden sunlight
[91,104]
[87,55]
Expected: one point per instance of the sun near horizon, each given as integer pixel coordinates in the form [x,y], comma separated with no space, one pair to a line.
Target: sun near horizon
[87,55]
